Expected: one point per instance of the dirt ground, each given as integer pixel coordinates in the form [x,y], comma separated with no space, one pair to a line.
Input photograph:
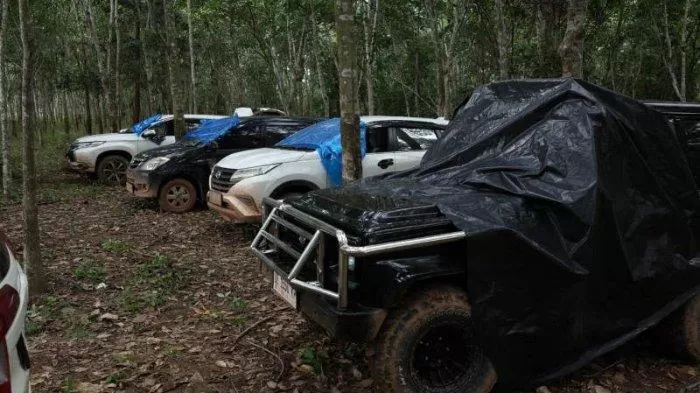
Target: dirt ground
[142,301]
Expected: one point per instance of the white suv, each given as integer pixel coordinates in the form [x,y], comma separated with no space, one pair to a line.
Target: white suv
[108,155]
[240,181]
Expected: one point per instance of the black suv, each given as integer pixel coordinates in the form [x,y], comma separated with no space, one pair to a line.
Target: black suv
[552,222]
[178,174]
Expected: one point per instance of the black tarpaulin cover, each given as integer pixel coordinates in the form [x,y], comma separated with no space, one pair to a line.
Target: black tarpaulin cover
[581,216]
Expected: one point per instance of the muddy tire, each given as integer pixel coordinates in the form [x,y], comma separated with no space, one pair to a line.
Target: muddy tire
[679,334]
[426,346]
[177,196]
[111,170]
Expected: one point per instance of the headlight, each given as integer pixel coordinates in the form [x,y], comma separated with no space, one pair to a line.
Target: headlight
[83,145]
[154,163]
[245,173]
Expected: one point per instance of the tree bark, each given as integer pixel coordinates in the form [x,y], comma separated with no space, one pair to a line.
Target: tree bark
[4,143]
[117,121]
[174,67]
[350,120]
[319,71]
[88,110]
[369,27]
[501,39]
[193,80]
[571,46]
[31,251]
[104,75]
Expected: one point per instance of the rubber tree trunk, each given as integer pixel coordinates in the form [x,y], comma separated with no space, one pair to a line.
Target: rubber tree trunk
[347,66]
[31,252]
[501,39]
[190,38]
[4,143]
[174,71]
[571,46]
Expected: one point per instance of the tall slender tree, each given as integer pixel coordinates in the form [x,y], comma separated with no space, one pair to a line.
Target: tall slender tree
[190,39]
[4,143]
[31,252]
[347,75]
[571,47]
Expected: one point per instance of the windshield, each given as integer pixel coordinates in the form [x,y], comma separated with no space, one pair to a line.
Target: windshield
[143,125]
[211,130]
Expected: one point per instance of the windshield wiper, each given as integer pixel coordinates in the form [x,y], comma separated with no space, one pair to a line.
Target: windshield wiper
[294,148]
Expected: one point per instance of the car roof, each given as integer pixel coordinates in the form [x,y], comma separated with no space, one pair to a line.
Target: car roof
[675,107]
[279,119]
[170,116]
[382,119]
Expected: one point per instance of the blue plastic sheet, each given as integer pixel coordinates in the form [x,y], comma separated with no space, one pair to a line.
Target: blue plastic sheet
[324,137]
[209,130]
[143,125]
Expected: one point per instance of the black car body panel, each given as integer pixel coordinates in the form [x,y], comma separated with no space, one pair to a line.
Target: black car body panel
[193,161]
[581,216]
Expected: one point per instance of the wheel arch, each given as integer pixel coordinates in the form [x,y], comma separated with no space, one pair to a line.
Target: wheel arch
[196,183]
[107,153]
[302,186]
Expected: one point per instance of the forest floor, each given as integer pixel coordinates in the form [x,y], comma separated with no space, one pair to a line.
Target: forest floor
[143,301]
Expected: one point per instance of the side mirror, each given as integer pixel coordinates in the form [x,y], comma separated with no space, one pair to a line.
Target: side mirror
[149,133]
[213,145]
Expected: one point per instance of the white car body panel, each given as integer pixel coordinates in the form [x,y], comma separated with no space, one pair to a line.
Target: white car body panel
[16,278]
[298,166]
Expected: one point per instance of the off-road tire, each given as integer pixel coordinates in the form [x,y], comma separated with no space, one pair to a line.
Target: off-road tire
[679,334]
[411,327]
[177,196]
[111,170]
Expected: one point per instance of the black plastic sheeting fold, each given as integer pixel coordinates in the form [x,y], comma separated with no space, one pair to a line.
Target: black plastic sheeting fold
[581,214]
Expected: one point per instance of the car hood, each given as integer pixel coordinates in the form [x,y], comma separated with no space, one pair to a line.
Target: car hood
[111,137]
[264,156]
[369,218]
[170,151]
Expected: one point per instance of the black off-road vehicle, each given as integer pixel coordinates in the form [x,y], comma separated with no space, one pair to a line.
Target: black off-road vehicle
[552,223]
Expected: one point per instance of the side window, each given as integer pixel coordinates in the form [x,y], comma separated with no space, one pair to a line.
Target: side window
[243,137]
[192,124]
[164,129]
[690,128]
[412,138]
[277,132]
[377,139]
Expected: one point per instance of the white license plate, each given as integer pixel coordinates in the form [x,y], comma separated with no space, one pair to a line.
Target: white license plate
[215,198]
[284,289]
[130,188]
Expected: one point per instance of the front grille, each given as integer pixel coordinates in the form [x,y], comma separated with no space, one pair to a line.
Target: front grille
[221,179]
[135,162]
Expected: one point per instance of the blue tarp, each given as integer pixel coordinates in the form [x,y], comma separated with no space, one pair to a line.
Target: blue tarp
[143,125]
[324,137]
[209,130]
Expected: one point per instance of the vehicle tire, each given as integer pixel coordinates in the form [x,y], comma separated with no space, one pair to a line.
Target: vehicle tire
[111,170]
[679,334]
[177,196]
[425,347]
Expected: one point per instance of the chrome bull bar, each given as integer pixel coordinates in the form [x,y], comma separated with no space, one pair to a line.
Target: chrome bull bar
[316,241]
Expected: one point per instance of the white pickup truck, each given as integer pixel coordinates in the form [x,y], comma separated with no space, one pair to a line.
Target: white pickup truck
[108,155]
[239,182]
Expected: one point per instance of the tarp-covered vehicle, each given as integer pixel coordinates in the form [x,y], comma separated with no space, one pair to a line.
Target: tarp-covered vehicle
[553,221]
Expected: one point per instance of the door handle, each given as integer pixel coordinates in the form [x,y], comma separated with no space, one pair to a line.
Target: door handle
[385,163]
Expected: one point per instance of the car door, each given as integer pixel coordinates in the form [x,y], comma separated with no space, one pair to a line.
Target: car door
[165,135]
[379,159]
[409,144]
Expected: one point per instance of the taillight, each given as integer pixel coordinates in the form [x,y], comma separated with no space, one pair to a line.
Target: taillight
[9,305]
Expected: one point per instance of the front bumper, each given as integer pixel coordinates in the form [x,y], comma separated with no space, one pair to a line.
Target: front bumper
[79,163]
[142,184]
[236,208]
[359,324]
[17,353]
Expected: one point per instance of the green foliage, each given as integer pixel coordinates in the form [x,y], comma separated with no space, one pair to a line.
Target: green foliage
[237,303]
[69,385]
[150,286]
[91,272]
[315,358]
[116,246]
